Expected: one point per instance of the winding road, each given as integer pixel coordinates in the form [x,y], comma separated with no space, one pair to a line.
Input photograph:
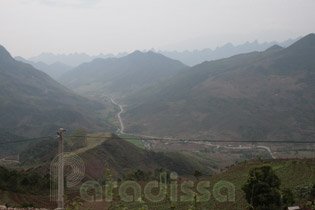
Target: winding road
[122,126]
[148,145]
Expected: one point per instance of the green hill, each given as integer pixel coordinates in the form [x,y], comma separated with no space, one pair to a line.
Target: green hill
[255,96]
[33,104]
[297,175]
[120,155]
[123,156]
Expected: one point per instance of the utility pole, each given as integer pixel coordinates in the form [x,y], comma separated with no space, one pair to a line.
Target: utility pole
[254,151]
[60,170]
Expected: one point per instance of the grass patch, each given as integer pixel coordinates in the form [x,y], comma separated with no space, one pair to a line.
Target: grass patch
[93,140]
[132,140]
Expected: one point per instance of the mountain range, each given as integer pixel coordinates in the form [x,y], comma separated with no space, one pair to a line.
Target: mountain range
[257,95]
[73,59]
[121,76]
[267,95]
[195,57]
[33,104]
[189,58]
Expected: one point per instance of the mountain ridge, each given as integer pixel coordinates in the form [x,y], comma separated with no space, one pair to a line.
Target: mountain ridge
[55,70]
[195,57]
[274,47]
[4,54]
[188,57]
[33,104]
[120,156]
[258,95]
[121,75]
[307,41]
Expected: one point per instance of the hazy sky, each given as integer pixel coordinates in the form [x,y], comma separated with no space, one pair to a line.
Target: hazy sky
[29,27]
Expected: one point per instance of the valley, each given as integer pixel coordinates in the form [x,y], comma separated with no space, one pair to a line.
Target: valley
[157,105]
[148,143]
[136,117]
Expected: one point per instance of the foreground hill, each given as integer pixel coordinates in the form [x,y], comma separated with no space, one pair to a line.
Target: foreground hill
[34,104]
[123,156]
[121,75]
[108,150]
[256,96]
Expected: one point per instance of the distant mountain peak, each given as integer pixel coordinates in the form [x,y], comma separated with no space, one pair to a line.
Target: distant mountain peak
[139,54]
[136,52]
[310,36]
[274,47]
[307,41]
[19,58]
[228,45]
[4,54]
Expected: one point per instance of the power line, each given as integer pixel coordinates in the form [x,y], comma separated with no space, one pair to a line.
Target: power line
[167,139]
[25,140]
[198,140]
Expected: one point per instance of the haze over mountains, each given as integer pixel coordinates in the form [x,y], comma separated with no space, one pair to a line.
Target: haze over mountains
[72,60]
[54,70]
[157,105]
[255,96]
[232,98]
[33,104]
[190,58]
[58,65]
[195,57]
[121,76]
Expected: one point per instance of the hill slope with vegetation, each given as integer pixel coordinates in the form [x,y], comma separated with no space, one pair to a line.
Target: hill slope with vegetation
[256,96]
[33,104]
[122,156]
[297,176]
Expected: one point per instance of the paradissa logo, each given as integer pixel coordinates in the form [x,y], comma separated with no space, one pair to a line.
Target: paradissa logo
[222,191]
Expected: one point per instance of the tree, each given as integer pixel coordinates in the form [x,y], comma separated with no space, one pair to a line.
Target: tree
[74,204]
[312,193]
[262,188]
[287,197]
[197,174]
[138,175]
